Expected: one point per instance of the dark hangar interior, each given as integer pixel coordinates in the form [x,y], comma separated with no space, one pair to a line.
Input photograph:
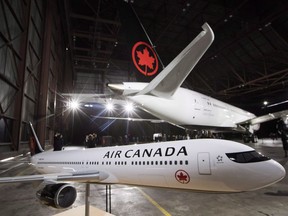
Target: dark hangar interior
[49,48]
[52,47]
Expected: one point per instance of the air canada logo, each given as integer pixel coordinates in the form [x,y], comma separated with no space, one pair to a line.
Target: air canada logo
[182,177]
[145,59]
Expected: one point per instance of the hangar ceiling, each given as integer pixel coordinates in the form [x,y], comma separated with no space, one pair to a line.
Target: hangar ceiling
[248,59]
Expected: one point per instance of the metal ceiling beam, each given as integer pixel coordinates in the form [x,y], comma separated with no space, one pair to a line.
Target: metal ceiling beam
[107,52]
[256,81]
[98,36]
[90,59]
[81,67]
[93,19]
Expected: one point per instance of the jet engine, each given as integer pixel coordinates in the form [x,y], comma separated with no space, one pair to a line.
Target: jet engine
[57,195]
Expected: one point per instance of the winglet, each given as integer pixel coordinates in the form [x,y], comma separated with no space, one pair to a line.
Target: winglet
[171,77]
[40,149]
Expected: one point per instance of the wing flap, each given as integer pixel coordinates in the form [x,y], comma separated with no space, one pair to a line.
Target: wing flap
[77,176]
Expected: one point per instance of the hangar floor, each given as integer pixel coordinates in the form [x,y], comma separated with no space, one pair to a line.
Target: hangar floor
[19,198]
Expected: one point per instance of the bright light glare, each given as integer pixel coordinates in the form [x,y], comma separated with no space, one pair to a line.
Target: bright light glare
[129,107]
[7,159]
[265,103]
[110,106]
[73,104]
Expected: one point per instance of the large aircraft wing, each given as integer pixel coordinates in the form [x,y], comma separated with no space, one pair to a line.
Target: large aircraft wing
[131,119]
[155,121]
[172,76]
[80,177]
[265,118]
[87,98]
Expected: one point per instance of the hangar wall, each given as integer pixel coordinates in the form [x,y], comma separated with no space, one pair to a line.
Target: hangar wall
[32,64]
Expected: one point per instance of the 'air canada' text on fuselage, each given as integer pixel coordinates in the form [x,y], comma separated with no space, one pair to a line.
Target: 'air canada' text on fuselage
[132,153]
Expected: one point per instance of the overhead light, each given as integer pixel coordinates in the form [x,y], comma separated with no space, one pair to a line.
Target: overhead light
[129,107]
[265,103]
[73,104]
[110,106]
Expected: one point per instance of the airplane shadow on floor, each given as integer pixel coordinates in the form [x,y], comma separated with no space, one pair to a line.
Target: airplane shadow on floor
[278,193]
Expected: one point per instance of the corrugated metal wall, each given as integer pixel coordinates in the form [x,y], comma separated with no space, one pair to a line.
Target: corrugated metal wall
[32,57]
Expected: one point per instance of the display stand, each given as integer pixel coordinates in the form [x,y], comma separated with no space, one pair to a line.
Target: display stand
[108,198]
[88,210]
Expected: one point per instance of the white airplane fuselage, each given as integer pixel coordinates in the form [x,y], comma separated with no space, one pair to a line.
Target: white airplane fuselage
[203,164]
[187,108]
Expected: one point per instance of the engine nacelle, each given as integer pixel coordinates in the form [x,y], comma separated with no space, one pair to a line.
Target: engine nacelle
[57,195]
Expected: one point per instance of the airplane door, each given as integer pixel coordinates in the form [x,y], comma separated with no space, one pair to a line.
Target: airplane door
[204,163]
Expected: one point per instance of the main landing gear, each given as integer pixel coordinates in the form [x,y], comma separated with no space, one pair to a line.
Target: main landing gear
[250,137]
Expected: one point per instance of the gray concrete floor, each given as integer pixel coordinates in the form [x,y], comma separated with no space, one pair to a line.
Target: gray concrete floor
[19,198]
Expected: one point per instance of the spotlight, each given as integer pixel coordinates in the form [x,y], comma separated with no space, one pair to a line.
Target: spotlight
[110,106]
[73,104]
[129,107]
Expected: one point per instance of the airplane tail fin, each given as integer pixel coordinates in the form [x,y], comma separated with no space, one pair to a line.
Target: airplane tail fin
[139,45]
[170,79]
[34,144]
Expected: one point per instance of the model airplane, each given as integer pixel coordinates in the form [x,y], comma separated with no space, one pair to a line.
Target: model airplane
[202,165]
[165,99]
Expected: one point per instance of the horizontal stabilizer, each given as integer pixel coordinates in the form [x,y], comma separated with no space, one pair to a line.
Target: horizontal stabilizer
[265,118]
[171,78]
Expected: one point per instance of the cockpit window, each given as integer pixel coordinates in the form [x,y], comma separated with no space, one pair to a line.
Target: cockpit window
[247,157]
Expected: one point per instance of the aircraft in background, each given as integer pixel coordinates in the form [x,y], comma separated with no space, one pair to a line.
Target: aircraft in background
[200,164]
[165,99]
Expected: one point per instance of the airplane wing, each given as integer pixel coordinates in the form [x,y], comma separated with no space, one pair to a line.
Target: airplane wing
[265,118]
[80,177]
[172,76]
[88,98]
[155,121]
[131,119]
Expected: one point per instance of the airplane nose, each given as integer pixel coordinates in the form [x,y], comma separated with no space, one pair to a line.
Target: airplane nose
[253,176]
[268,173]
[276,172]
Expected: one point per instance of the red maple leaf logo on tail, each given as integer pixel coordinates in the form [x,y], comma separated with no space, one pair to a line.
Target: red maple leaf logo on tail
[145,59]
